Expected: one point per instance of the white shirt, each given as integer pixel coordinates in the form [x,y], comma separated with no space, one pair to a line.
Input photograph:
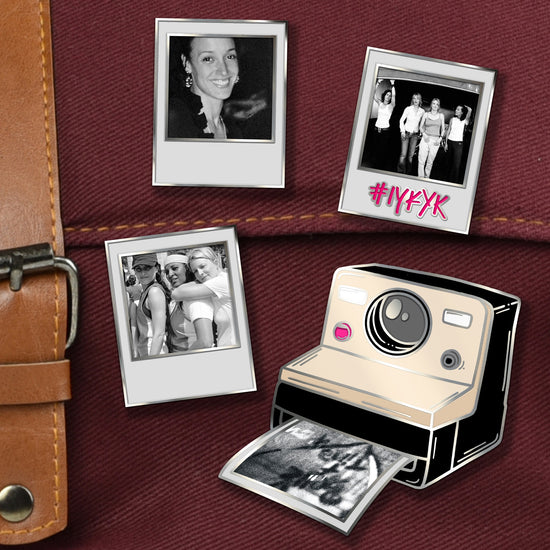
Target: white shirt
[182,317]
[223,309]
[457,129]
[384,113]
[410,120]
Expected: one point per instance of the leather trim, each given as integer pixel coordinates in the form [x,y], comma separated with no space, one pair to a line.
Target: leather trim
[28,383]
[35,437]
[32,320]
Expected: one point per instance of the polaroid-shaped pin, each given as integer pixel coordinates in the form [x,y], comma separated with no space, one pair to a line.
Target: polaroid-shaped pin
[409,383]
[180,315]
[220,103]
[417,141]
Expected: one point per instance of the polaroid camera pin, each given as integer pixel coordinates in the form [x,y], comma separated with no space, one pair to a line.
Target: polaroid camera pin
[418,392]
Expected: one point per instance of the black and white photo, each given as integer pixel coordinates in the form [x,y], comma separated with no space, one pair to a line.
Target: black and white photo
[420,125]
[219,94]
[180,315]
[220,87]
[324,474]
[179,300]
[418,139]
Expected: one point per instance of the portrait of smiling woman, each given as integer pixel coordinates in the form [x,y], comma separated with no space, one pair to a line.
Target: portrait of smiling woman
[211,69]
[208,98]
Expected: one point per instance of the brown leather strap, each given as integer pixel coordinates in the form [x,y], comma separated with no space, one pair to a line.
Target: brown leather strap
[33,319]
[25,384]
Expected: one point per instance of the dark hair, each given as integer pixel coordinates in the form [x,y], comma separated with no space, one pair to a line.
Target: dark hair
[167,293]
[189,275]
[184,44]
[464,111]
[131,280]
[383,96]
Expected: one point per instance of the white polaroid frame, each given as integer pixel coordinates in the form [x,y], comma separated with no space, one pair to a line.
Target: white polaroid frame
[323,515]
[433,203]
[229,162]
[197,373]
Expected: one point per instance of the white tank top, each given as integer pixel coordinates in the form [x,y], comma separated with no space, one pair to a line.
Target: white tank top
[457,130]
[384,113]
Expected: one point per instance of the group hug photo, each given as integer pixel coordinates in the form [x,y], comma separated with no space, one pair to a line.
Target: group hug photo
[178,301]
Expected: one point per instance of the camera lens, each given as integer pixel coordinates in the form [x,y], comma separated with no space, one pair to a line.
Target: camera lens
[397,322]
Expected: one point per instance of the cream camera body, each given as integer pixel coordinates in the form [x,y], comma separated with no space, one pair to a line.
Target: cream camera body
[416,362]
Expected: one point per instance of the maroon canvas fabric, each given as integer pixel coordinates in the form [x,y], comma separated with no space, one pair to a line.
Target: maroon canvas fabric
[146,477]
[104,61]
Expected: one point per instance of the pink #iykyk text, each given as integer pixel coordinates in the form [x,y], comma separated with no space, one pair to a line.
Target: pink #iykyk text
[408,199]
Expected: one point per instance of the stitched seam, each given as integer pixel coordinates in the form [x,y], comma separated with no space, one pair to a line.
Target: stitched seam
[289,217]
[512,220]
[50,171]
[56,478]
[54,247]
[28,531]
[198,222]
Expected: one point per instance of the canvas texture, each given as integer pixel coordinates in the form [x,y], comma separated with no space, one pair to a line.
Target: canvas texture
[147,477]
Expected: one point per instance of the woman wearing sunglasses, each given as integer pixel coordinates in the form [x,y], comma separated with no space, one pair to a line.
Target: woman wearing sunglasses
[148,317]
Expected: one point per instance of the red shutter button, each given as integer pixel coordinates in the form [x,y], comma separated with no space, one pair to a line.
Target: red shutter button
[342,332]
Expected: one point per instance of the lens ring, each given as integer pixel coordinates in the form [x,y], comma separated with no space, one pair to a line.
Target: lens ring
[397,322]
[451,359]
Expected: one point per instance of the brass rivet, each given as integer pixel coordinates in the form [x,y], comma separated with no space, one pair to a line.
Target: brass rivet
[16,503]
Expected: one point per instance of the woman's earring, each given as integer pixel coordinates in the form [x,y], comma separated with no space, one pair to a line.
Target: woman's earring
[188,80]
[236,79]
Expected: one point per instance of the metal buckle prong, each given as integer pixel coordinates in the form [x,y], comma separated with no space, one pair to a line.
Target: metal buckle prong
[16,261]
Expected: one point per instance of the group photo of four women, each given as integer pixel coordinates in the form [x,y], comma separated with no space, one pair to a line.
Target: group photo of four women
[421,138]
[178,301]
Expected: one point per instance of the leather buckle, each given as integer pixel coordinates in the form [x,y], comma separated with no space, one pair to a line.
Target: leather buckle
[39,257]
